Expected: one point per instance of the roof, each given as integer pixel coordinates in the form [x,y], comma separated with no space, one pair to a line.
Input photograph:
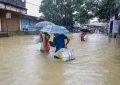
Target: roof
[32,17]
[11,4]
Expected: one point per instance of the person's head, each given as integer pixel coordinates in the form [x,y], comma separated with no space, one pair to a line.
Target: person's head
[46,33]
[56,35]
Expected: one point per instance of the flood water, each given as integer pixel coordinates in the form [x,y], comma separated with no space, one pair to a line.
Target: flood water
[97,62]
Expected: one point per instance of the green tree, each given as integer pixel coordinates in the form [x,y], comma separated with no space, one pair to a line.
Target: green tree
[105,9]
[66,12]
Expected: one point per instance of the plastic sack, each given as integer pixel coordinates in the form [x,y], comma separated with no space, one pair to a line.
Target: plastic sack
[37,39]
[65,54]
[41,38]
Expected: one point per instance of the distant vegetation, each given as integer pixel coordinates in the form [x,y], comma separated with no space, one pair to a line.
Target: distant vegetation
[66,12]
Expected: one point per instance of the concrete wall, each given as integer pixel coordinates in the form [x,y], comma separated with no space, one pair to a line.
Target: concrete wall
[30,22]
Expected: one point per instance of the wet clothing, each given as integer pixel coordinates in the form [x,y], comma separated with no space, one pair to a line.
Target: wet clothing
[59,41]
[46,46]
[45,43]
[82,36]
[116,25]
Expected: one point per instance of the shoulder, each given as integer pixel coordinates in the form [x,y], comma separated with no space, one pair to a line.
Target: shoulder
[64,36]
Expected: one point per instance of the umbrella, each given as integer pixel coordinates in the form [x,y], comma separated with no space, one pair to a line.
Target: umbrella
[85,30]
[54,29]
[42,24]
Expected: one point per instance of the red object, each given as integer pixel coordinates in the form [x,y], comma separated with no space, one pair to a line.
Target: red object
[82,36]
[37,33]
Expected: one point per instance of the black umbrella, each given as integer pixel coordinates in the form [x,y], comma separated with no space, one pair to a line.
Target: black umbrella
[85,30]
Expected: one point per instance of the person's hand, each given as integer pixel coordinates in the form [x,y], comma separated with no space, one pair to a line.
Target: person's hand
[51,44]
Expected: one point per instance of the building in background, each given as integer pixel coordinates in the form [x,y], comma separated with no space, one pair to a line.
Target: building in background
[114,24]
[10,12]
[27,23]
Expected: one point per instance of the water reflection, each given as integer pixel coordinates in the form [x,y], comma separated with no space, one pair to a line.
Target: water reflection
[97,62]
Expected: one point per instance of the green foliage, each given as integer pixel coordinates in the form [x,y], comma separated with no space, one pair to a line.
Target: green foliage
[66,12]
[105,9]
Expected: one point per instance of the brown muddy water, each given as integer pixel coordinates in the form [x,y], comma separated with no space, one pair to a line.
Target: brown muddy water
[97,62]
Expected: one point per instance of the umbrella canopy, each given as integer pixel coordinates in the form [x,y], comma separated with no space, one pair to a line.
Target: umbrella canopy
[42,24]
[54,29]
[85,30]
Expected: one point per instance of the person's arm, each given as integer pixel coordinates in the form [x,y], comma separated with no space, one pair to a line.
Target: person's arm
[68,40]
[52,43]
